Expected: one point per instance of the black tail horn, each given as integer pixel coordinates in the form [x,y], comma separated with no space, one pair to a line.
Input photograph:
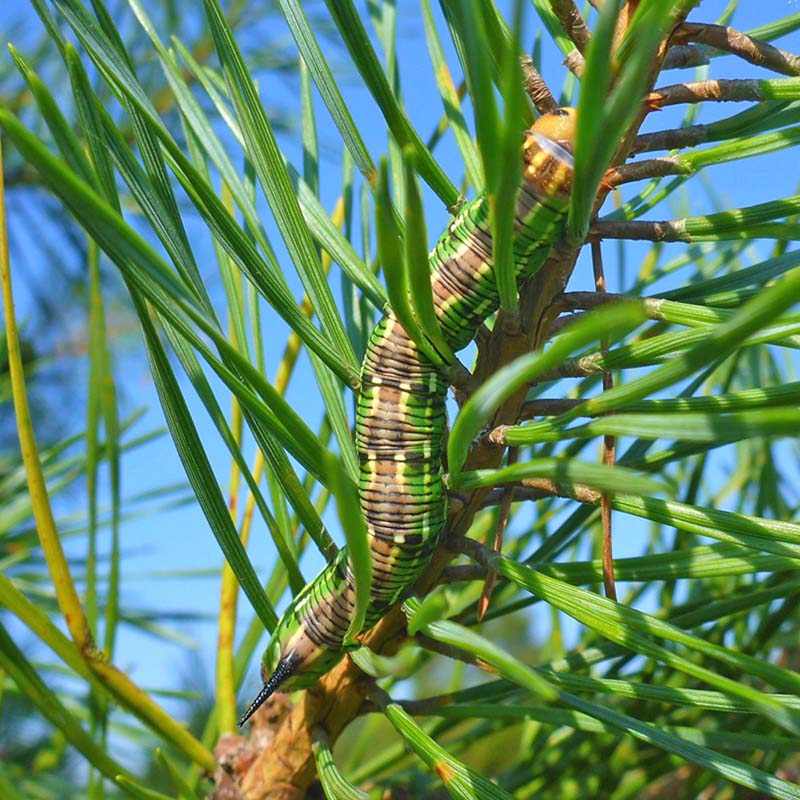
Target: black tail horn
[283,672]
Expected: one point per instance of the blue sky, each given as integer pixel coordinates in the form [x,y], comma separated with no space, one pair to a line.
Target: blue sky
[181,539]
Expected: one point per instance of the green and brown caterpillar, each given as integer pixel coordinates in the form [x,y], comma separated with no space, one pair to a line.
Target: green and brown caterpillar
[401,417]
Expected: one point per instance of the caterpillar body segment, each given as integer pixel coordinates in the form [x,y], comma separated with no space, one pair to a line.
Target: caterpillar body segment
[401,417]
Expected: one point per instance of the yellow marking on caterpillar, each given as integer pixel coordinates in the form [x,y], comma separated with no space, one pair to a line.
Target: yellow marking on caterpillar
[485,267]
[538,161]
[560,174]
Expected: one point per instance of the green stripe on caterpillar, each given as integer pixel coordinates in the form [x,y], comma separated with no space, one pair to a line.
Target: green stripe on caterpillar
[401,418]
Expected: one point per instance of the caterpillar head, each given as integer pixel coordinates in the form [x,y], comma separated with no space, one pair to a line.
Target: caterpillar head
[547,152]
[292,660]
[558,126]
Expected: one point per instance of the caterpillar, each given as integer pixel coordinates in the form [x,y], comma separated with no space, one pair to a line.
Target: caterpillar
[401,417]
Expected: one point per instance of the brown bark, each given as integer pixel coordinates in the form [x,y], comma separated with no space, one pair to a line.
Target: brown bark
[717,91]
[684,56]
[740,44]
[672,139]
[642,170]
[536,88]
[572,22]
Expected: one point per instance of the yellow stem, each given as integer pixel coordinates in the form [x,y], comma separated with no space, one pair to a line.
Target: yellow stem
[229,594]
[130,695]
[66,593]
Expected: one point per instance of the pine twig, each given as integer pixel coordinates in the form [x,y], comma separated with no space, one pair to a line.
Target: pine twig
[641,230]
[609,442]
[495,497]
[718,91]
[572,22]
[672,139]
[456,653]
[536,88]
[740,44]
[684,56]
[464,573]
[575,63]
[548,407]
[502,523]
[642,170]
